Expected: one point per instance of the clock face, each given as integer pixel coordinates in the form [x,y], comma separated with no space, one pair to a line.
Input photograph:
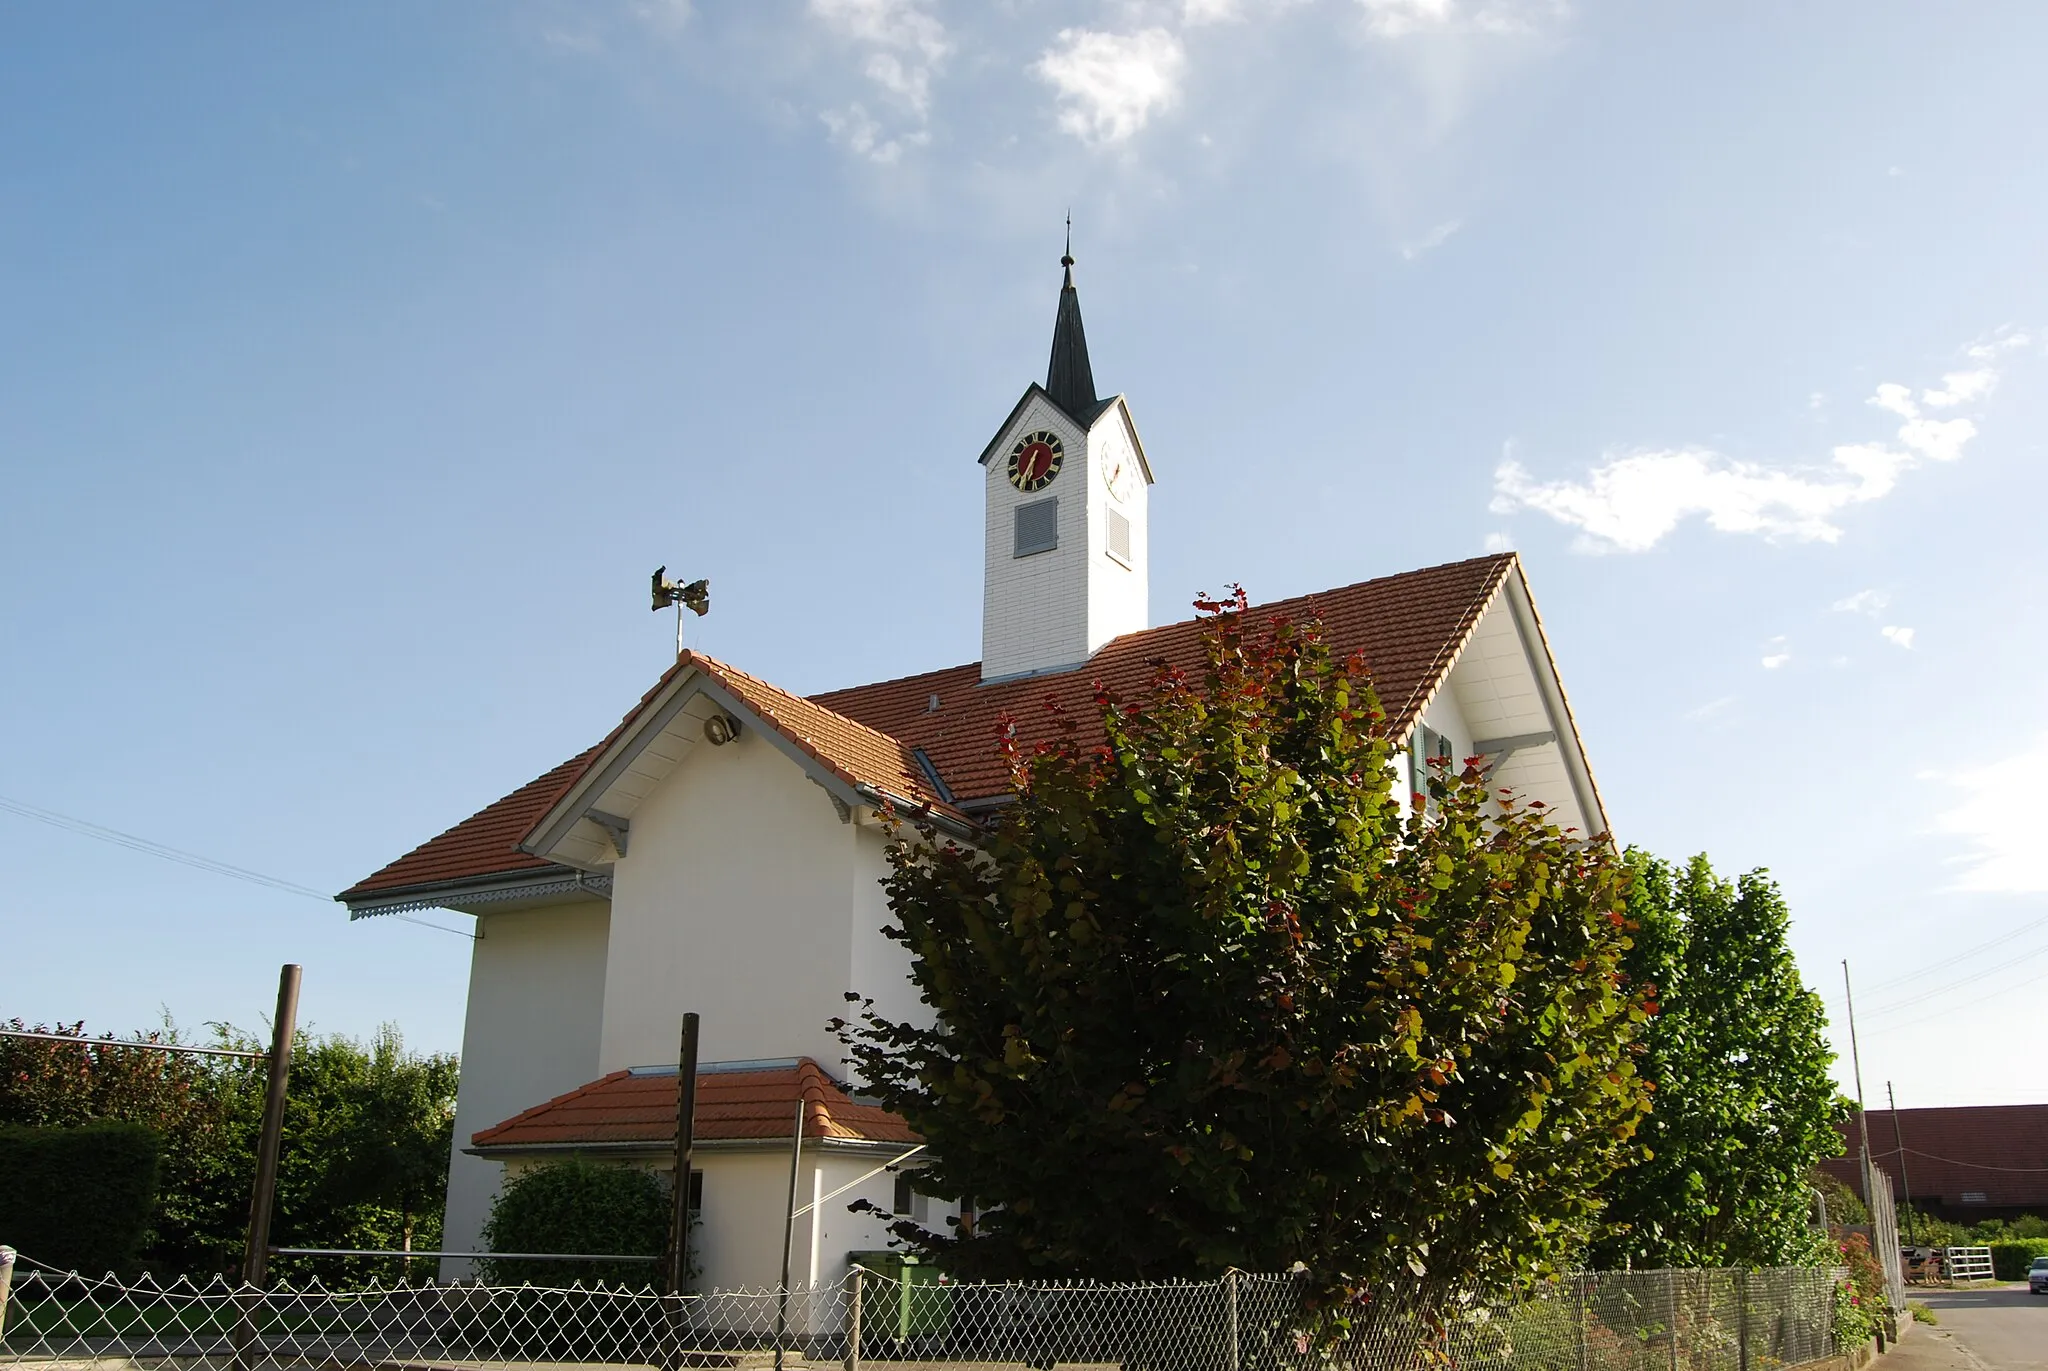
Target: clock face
[1036,460]
[1118,476]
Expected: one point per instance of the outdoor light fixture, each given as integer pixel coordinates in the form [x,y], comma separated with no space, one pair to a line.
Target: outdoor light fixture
[721,729]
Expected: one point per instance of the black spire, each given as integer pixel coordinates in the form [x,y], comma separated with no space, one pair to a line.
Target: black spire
[1067,377]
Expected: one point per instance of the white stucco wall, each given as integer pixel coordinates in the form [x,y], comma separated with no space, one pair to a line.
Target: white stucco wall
[733,901]
[1118,596]
[1034,612]
[880,967]
[536,1000]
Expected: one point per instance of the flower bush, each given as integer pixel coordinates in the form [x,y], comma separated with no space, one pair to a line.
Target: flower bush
[1860,1304]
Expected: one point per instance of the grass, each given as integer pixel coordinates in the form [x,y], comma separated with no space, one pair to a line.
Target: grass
[1920,1312]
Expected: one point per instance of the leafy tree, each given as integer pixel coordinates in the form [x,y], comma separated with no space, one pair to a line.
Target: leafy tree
[365,1150]
[1205,999]
[580,1206]
[390,1150]
[1745,1104]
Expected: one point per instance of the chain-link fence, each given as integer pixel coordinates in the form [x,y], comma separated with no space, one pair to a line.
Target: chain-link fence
[1605,1321]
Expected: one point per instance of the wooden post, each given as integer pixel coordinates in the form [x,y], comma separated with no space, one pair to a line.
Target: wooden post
[853,1318]
[263,1197]
[796,1159]
[263,1200]
[686,1142]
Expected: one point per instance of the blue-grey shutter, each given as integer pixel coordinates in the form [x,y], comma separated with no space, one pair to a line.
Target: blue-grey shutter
[1038,527]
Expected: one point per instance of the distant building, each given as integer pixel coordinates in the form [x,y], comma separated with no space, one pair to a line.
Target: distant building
[1964,1164]
[722,849]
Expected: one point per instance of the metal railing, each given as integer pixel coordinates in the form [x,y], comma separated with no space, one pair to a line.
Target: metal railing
[1596,1321]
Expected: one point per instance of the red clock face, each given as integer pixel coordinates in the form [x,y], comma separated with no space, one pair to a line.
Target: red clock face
[1035,460]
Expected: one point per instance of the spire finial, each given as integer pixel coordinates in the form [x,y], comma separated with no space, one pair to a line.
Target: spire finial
[1069,379]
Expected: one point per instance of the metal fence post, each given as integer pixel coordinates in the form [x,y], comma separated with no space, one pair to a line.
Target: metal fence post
[1230,1344]
[1742,1319]
[1671,1313]
[853,1319]
[6,1280]
[1579,1316]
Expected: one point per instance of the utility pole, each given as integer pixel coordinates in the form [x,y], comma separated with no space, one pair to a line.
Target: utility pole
[263,1200]
[686,1141]
[1862,1118]
[1899,1138]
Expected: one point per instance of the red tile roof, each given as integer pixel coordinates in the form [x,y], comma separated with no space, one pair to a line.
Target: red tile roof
[1410,629]
[484,844]
[625,1107]
[1997,1151]
[854,752]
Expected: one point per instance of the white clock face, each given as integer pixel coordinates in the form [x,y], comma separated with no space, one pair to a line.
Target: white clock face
[1118,476]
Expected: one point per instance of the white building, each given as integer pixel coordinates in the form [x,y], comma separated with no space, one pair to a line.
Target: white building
[720,850]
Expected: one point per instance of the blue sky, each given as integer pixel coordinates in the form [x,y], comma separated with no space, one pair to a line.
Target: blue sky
[356,366]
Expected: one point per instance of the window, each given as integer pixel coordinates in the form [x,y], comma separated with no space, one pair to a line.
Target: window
[697,1193]
[1119,537]
[1038,527]
[1425,744]
[909,1202]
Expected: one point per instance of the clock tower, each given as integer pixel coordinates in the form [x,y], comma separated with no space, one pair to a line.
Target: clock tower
[1065,485]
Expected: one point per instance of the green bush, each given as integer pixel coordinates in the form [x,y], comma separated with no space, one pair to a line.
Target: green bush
[79,1198]
[2010,1259]
[580,1206]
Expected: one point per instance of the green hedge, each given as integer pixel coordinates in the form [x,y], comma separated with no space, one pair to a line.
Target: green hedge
[2010,1259]
[580,1206]
[78,1198]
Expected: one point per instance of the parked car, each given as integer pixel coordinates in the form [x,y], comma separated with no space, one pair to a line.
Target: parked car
[2037,1276]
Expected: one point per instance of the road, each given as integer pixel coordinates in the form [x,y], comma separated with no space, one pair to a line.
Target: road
[2000,1329]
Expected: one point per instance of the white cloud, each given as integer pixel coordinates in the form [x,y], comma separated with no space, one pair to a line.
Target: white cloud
[1896,398]
[1632,501]
[905,48]
[1500,542]
[664,16]
[1994,814]
[1432,240]
[1710,708]
[1901,637]
[860,133]
[1961,387]
[2005,339]
[1400,18]
[1779,654]
[1862,602]
[897,24]
[1111,84]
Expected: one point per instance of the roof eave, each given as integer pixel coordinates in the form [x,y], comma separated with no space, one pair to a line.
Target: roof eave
[498,888]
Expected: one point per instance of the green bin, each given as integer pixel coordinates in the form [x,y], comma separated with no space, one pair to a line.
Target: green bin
[911,1303]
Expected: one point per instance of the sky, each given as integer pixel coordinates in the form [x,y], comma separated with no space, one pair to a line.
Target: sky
[358,364]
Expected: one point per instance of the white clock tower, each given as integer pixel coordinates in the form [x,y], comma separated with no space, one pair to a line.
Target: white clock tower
[1066,484]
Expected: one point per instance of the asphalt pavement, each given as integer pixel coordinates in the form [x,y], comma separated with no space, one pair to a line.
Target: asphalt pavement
[2000,1328]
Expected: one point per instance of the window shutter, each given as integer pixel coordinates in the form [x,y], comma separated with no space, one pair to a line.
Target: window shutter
[1119,537]
[1038,527]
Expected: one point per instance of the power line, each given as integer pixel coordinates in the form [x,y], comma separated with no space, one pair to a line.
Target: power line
[133,843]
[1963,956]
[2026,983]
[1895,1006]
